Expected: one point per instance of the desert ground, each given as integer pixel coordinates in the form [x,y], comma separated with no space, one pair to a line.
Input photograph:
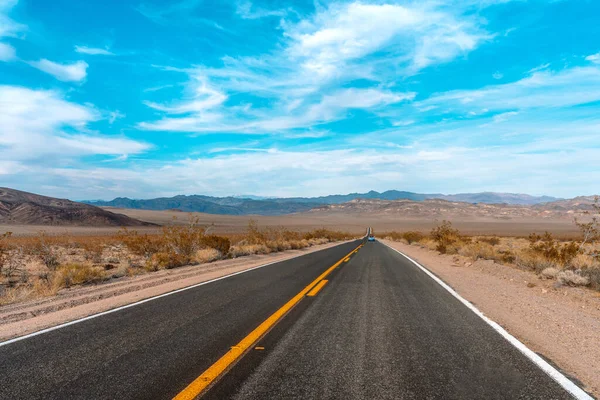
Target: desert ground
[353,223]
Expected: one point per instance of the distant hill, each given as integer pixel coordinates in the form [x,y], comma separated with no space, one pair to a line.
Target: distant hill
[440,209]
[279,206]
[211,205]
[18,207]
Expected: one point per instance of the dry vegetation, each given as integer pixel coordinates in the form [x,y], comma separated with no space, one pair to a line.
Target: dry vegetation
[42,265]
[569,262]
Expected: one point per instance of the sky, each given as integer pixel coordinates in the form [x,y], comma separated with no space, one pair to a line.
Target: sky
[148,98]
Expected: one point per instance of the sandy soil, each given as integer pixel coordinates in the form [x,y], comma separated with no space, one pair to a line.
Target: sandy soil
[354,223]
[77,302]
[560,323]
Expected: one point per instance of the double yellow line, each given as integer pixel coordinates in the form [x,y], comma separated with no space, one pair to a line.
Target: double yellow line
[214,371]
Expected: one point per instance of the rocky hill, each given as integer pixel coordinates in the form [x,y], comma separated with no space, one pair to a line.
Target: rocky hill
[18,207]
[436,208]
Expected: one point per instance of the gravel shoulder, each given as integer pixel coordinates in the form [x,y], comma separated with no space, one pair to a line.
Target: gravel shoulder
[78,302]
[560,323]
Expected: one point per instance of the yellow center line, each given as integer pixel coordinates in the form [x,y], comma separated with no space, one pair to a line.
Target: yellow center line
[219,367]
[317,288]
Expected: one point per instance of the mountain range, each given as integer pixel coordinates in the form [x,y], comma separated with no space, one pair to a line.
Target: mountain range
[279,206]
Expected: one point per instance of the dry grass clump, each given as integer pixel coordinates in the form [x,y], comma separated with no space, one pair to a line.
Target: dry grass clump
[571,278]
[76,274]
[206,256]
[40,266]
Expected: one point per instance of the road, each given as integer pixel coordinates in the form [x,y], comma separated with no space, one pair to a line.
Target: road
[379,328]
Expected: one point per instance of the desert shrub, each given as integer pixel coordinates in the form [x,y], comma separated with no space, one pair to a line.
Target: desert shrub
[532,261]
[76,274]
[43,248]
[219,243]
[445,236]
[572,278]
[4,254]
[330,235]
[142,245]
[207,255]
[183,240]
[254,235]
[506,256]
[549,248]
[412,236]
[479,250]
[593,274]
[493,241]
[93,251]
[248,249]
[549,273]
[166,260]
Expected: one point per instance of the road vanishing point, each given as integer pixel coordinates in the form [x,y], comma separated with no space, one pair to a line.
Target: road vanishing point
[355,321]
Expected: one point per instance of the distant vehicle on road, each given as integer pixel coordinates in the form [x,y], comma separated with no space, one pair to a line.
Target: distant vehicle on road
[371,237]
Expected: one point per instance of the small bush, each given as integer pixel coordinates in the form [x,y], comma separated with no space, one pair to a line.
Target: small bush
[534,262]
[248,249]
[166,260]
[43,248]
[572,279]
[493,241]
[412,237]
[445,236]
[549,248]
[549,273]
[593,274]
[76,274]
[219,243]
[206,255]
[141,245]
[478,250]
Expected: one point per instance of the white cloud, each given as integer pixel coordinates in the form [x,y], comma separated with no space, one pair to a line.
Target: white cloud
[40,126]
[498,75]
[542,89]
[205,112]
[413,35]
[247,10]
[296,86]
[595,58]
[93,51]
[75,72]
[8,27]
[7,52]
[114,115]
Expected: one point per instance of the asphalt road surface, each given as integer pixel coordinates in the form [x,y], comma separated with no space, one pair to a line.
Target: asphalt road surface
[379,328]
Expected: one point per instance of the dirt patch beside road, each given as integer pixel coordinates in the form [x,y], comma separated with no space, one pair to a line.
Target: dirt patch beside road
[70,304]
[560,323]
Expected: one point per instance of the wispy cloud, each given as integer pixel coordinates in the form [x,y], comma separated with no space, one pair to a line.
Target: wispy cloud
[93,51]
[39,126]
[8,28]
[75,72]
[319,54]
[542,89]
[595,58]
[247,10]
[7,52]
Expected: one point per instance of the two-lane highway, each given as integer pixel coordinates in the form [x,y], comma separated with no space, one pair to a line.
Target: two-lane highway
[154,350]
[367,324]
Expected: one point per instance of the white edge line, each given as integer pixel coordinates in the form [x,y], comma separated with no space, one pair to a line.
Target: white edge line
[552,372]
[137,303]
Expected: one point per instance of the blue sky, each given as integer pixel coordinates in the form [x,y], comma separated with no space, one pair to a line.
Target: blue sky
[100,99]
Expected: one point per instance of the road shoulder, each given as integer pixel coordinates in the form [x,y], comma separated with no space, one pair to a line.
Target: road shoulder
[561,324]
